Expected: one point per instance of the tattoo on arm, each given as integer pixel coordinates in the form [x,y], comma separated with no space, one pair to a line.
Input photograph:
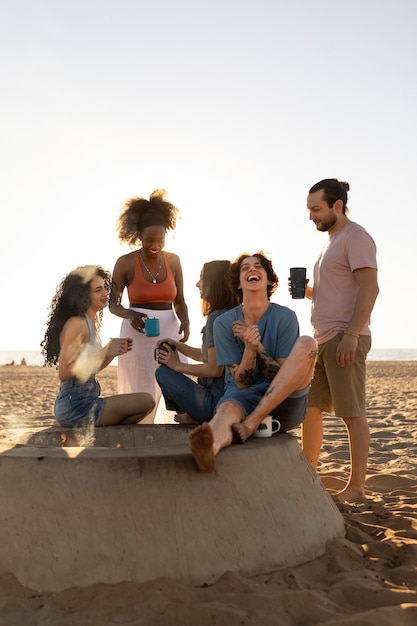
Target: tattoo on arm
[267,365]
[267,393]
[272,371]
[246,378]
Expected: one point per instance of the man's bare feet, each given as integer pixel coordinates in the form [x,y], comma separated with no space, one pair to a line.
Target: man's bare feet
[243,431]
[184,418]
[201,445]
[349,494]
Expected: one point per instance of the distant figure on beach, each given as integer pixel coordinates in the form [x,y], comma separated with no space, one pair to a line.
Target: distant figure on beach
[154,283]
[72,341]
[195,402]
[268,366]
[343,296]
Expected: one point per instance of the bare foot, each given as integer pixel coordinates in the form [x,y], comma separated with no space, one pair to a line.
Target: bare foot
[201,445]
[243,430]
[184,418]
[349,494]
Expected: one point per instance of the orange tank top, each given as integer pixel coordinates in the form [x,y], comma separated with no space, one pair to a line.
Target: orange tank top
[141,291]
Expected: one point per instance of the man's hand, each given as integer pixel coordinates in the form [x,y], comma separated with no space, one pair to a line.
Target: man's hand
[346,350]
[250,335]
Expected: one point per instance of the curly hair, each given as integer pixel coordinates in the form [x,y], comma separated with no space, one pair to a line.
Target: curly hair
[71,299]
[216,292]
[137,213]
[234,274]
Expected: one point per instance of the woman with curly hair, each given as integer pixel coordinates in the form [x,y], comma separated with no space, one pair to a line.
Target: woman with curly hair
[195,402]
[153,280]
[72,342]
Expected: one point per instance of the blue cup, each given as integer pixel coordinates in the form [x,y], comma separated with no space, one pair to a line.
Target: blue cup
[152,326]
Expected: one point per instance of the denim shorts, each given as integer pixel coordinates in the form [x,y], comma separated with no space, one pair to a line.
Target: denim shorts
[78,404]
[291,413]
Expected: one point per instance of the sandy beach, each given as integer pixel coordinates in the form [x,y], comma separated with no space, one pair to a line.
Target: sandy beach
[367,578]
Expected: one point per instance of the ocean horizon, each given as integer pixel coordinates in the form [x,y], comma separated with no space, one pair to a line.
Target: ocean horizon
[34,357]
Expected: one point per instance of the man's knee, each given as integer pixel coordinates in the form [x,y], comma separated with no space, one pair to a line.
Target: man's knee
[308,344]
[230,411]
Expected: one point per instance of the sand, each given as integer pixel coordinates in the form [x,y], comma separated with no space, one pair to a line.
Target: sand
[367,578]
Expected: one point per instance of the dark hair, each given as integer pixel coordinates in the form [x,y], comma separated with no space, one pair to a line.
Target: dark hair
[71,299]
[234,273]
[333,190]
[138,213]
[216,293]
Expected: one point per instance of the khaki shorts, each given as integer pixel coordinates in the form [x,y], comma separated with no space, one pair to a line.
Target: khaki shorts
[340,389]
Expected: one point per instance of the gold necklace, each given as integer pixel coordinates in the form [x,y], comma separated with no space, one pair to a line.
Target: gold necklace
[147,268]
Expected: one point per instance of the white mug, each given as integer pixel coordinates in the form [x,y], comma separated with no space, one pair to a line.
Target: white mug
[267,427]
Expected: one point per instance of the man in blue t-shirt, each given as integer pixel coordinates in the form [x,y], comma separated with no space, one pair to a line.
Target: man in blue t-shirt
[268,366]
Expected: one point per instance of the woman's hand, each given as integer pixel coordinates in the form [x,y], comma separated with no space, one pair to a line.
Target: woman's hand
[137,320]
[185,329]
[166,355]
[117,347]
[171,342]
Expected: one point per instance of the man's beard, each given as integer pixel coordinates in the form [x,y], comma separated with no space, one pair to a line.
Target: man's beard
[327,224]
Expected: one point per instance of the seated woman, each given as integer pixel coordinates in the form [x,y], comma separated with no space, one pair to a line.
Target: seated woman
[72,341]
[195,402]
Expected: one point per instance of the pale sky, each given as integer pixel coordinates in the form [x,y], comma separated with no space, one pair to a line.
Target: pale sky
[236,108]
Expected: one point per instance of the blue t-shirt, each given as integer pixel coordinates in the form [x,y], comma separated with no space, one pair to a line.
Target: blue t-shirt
[208,342]
[279,331]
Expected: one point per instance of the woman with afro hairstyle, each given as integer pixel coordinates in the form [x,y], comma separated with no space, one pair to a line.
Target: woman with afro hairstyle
[153,280]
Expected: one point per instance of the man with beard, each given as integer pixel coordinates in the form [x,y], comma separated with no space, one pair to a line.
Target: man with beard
[343,295]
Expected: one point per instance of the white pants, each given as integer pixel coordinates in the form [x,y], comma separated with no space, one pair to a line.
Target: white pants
[136,368]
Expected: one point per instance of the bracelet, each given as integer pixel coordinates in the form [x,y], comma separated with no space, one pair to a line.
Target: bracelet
[346,332]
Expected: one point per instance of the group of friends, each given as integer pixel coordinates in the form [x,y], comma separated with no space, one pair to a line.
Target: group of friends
[252,362]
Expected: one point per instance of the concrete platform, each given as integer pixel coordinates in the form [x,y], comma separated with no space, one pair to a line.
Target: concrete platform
[133,507]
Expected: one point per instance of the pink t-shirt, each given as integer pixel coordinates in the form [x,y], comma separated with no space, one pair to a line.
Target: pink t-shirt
[335,288]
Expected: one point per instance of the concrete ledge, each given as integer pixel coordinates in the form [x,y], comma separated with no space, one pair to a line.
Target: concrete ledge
[75,516]
[108,437]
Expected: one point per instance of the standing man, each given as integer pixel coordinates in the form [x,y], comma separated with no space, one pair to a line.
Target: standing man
[268,366]
[343,295]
